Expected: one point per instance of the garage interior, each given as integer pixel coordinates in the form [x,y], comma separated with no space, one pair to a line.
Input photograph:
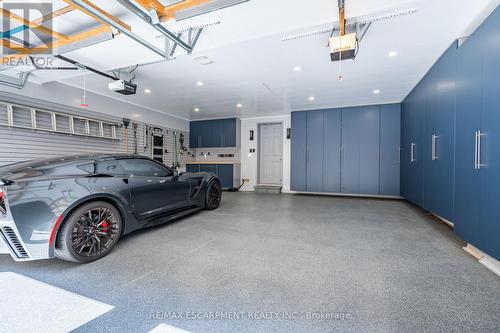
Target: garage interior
[356,142]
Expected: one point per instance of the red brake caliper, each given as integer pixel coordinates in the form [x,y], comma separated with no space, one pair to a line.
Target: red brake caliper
[104,226]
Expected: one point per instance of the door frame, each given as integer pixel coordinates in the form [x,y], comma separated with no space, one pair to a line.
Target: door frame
[259,125]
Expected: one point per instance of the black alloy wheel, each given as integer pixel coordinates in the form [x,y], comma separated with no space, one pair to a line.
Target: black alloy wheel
[213,196]
[89,233]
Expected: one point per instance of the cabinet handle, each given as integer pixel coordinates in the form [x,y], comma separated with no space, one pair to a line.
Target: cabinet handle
[434,142]
[475,151]
[478,140]
[399,155]
[412,152]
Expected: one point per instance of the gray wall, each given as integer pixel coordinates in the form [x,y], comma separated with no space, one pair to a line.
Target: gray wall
[17,144]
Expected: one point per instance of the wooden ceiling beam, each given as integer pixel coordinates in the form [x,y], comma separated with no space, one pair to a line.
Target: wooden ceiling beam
[166,13]
[54,14]
[103,12]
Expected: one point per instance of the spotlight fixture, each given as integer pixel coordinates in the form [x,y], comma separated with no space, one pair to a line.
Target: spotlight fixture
[376,91]
[196,110]
[147,91]
[199,83]
[239,105]
[297,68]
[393,54]
[312,98]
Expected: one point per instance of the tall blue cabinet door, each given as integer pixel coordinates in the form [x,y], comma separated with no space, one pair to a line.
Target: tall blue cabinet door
[443,119]
[314,154]
[469,107]
[390,136]
[225,174]
[332,134]
[298,151]
[405,174]
[229,132]
[431,127]
[369,158]
[416,122]
[490,142]
[351,137]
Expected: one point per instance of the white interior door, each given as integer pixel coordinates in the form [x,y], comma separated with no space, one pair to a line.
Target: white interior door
[271,154]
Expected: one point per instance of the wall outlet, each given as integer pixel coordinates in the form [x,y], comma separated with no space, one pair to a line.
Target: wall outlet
[246,180]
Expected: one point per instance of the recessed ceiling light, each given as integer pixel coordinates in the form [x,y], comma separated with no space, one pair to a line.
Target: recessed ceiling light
[297,68]
[147,91]
[239,105]
[376,91]
[196,110]
[393,54]
[199,83]
[312,98]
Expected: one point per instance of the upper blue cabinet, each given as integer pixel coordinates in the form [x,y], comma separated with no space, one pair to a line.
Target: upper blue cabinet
[218,133]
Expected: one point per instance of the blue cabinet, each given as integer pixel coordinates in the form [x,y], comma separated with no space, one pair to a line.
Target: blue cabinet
[225,172]
[412,144]
[194,134]
[350,150]
[489,158]
[192,168]
[298,151]
[332,134]
[360,150]
[214,133]
[439,148]
[468,109]
[314,152]
[340,150]
[456,106]
[212,168]
[369,163]
[390,136]
[229,132]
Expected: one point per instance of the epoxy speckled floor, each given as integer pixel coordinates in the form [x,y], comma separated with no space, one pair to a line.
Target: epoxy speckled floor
[266,261]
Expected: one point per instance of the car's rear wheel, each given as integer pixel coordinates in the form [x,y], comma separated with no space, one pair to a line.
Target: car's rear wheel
[213,195]
[89,233]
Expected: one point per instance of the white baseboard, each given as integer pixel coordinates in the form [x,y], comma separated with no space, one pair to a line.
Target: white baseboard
[487,261]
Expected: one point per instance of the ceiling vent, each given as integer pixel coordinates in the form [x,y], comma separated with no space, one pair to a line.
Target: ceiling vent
[203,60]
[208,7]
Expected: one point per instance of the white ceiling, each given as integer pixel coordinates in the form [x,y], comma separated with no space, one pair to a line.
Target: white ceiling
[252,66]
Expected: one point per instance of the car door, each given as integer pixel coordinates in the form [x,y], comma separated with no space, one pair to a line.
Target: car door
[154,188]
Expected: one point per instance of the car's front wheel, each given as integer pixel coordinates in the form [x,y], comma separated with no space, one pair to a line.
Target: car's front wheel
[213,195]
[89,233]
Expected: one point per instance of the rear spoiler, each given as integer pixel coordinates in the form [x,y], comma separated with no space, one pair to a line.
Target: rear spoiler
[5,182]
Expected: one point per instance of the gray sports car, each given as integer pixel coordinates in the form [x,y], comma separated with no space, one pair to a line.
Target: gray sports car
[76,208]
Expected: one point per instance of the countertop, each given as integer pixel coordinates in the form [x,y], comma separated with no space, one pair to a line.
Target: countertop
[212,162]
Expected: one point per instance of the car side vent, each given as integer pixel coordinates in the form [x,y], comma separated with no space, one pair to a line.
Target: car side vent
[13,241]
[196,186]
